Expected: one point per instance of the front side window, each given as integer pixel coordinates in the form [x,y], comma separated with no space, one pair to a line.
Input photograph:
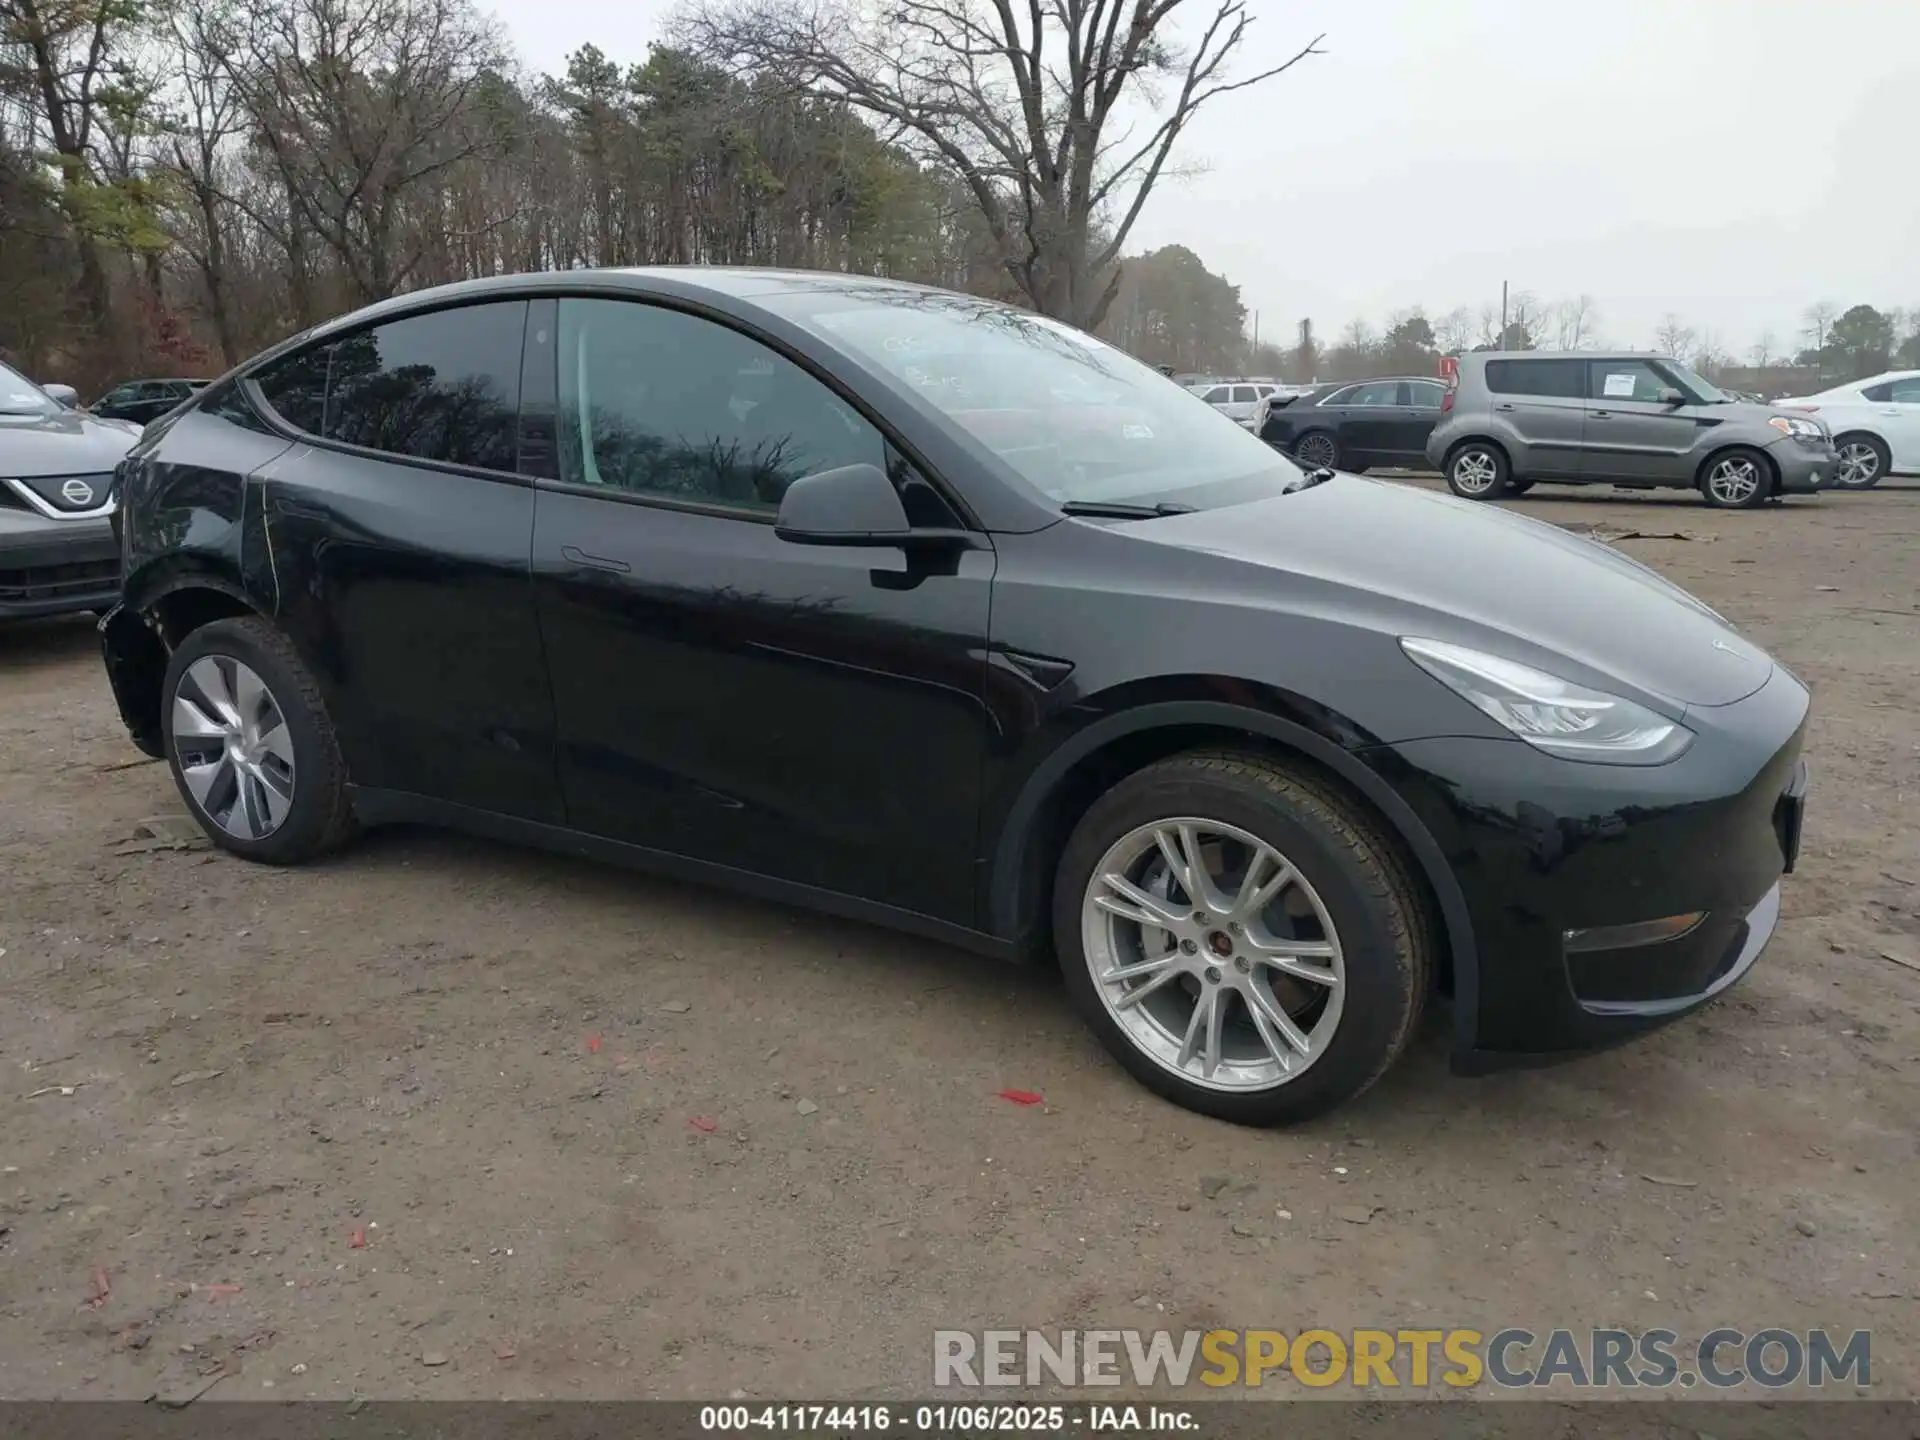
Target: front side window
[1245,394]
[441,386]
[1073,417]
[1381,392]
[1625,380]
[658,402]
[1895,392]
[1218,395]
[1426,394]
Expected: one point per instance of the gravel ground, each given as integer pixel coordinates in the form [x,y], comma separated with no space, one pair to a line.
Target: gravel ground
[440,1118]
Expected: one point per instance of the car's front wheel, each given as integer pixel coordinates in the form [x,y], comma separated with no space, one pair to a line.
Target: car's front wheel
[1864,459]
[1477,471]
[1241,936]
[1737,480]
[251,746]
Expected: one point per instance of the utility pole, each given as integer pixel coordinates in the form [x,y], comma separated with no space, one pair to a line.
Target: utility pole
[1503,316]
[1255,360]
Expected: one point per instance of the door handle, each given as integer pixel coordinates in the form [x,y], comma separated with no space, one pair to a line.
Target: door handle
[594,562]
[1503,406]
[1599,414]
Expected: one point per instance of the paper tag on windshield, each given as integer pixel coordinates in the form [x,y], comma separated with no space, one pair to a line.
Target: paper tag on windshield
[1620,387]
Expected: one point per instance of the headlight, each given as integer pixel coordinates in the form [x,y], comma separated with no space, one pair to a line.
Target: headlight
[1800,429]
[1549,713]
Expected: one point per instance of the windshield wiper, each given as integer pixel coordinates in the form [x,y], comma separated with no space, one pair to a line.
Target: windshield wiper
[1319,475]
[1116,510]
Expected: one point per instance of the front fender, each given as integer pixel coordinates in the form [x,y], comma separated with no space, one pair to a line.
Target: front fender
[1009,856]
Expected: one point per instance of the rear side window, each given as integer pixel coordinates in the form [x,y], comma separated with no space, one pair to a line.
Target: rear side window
[443,386]
[1425,394]
[1217,395]
[1245,394]
[1563,379]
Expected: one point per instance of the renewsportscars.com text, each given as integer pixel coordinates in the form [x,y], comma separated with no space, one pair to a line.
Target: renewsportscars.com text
[1511,1358]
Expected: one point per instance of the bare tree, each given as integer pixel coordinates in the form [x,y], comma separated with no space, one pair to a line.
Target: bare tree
[1762,351]
[364,106]
[1453,331]
[1673,337]
[1571,322]
[1819,317]
[1023,103]
[1709,357]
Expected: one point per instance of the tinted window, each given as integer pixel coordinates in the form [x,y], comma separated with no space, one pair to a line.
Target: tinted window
[1625,380]
[658,402]
[1563,378]
[296,387]
[1879,394]
[1217,395]
[1381,392]
[1425,394]
[1906,392]
[1245,394]
[444,386]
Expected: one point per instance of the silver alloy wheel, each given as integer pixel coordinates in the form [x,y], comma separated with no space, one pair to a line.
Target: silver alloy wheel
[1475,472]
[1317,451]
[1859,465]
[1734,480]
[231,741]
[1213,954]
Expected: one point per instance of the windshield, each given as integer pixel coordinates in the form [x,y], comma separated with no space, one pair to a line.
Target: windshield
[1077,419]
[1703,389]
[20,396]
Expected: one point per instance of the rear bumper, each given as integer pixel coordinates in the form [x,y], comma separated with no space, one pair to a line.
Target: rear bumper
[1804,468]
[56,567]
[1543,847]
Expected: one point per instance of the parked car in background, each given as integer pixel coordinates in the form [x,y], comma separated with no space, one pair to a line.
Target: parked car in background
[1646,422]
[1875,424]
[57,551]
[144,400]
[1060,664]
[1357,425]
[1238,400]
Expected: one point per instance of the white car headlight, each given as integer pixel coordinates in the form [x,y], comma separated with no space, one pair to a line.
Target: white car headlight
[1551,714]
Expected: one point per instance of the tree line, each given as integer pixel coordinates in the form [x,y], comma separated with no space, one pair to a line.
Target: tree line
[183,182]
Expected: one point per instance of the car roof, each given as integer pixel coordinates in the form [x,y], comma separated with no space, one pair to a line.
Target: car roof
[1482,355]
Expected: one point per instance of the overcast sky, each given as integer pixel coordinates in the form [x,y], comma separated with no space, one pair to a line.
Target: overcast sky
[1728,161]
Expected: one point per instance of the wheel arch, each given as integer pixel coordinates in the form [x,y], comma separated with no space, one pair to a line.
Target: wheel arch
[1454,447]
[1720,452]
[139,636]
[1058,791]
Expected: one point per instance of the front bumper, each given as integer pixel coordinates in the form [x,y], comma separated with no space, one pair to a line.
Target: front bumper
[1542,847]
[56,567]
[1804,468]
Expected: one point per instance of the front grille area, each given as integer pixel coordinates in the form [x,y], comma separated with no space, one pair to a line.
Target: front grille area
[10,499]
[57,582]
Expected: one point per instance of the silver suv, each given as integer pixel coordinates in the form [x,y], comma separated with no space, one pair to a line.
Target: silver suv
[1512,419]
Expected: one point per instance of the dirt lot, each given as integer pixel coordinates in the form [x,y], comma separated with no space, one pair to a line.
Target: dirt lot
[445,1119]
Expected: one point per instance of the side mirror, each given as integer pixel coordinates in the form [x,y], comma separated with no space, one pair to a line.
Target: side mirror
[1671,396]
[856,505]
[65,394]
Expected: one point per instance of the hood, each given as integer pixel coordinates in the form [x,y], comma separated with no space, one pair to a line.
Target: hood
[1480,568]
[65,442]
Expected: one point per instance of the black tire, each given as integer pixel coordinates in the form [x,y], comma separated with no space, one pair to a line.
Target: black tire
[1341,851]
[1519,487]
[1477,470]
[1882,459]
[320,816]
[1317,448]
[1721,498]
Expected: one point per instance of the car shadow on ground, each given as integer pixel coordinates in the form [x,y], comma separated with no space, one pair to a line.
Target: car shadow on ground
[56,641]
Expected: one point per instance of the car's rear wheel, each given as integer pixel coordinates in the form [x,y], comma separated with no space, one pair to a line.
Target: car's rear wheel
[1864,459]
[1477,471]
[1737,480]
[1241,936]
[1317,449]
[251,746]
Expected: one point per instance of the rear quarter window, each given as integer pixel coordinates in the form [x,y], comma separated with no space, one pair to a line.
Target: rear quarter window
[1564,379]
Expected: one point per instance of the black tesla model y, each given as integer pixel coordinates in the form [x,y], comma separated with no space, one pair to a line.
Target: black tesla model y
[917,608]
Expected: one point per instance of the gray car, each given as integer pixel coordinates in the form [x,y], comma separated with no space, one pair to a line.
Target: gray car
[1512,419]
[57,548]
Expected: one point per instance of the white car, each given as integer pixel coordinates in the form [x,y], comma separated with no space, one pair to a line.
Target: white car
[1875,424]
[1237,401]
